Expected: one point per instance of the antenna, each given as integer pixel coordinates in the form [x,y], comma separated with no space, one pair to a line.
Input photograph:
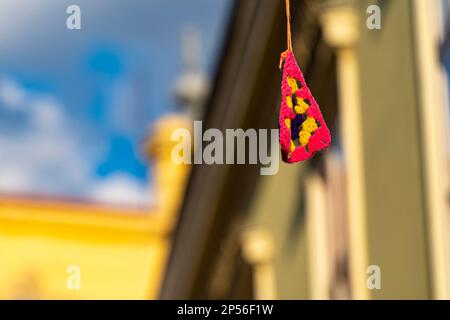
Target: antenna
[192,85]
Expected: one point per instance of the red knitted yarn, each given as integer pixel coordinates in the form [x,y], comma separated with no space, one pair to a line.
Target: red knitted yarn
[316,135]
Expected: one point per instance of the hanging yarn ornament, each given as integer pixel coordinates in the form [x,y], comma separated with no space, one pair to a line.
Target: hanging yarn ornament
[303,131]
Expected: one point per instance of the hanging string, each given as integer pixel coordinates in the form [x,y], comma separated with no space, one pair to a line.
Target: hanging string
[288,31]
[288,18]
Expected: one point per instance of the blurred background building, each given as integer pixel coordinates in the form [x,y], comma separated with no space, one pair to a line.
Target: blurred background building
[378,198]
[92,205]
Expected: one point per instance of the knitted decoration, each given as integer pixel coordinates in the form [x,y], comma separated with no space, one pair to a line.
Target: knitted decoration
[303,131]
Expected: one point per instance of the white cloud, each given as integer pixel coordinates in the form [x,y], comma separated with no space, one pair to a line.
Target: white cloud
[22,16]
[12,96]
[48,157]
[121,188]
[13,179]
[37,161]
[46,113]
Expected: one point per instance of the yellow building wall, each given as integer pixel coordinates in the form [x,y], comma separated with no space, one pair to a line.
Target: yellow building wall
[120,254]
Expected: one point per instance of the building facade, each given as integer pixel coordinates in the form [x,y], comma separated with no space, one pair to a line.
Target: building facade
[367,219]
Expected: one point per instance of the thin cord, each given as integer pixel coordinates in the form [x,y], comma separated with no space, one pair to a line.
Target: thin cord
[289,36]
[288,17]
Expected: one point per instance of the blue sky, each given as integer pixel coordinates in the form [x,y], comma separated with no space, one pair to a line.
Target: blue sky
[75,105]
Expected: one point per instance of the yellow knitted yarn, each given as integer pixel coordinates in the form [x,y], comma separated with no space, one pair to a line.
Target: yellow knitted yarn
[287,122]
[292,146]
[309,125]
[293,84]
[301,107]
[289,102]
[304,137]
